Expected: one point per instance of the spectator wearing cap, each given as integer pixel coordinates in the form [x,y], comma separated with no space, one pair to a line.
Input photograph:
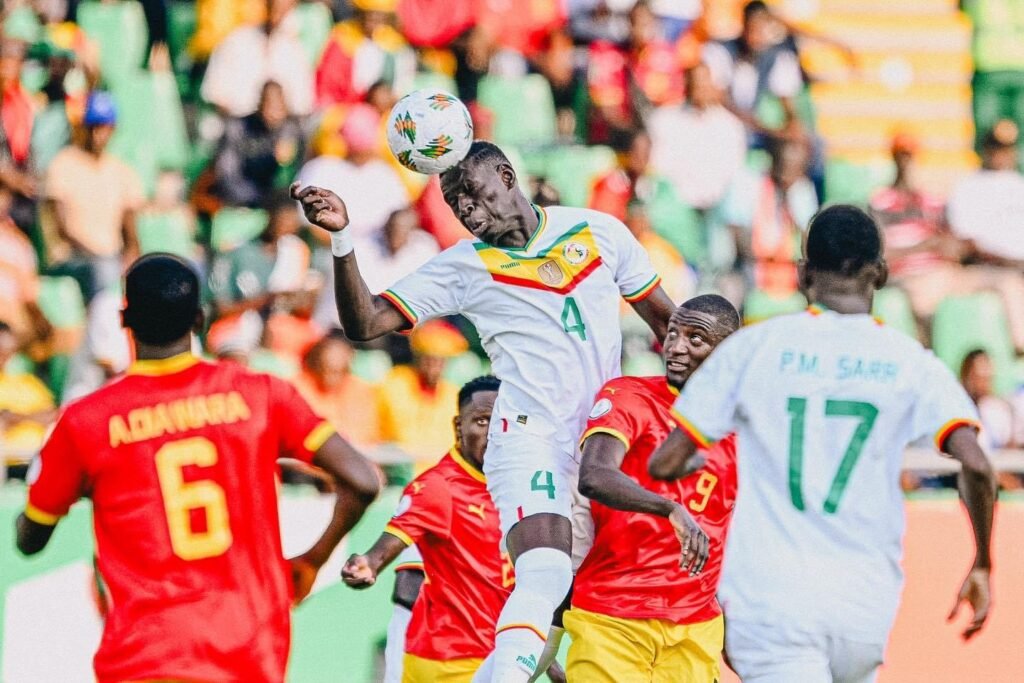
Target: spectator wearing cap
[362,51]
[16,115]
[252,55]
[91,199]
[256,155]
[925,259]
[699,146]
[416,403]
[988,205]
[348,402]
[19,284]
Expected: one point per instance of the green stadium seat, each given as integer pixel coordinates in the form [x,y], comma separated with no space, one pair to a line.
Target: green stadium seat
[171,233]
[58,369]
[23,24]
[573,171]
[119,28]
[677,223]
[265,360]
[60,300]
[848,183]
[643,365]
[51,132]
[434,79]
[314,28]
[892,307]
[19,364]
[151,133]
[524,110]
[463,368]
[233,227]
[977,321]
[759,305]
[181,24]
[372,366]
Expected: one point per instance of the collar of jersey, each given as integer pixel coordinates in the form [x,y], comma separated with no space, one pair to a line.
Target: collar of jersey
[818,309]
[163,366]
[542,223]
[671,389]
[465,464]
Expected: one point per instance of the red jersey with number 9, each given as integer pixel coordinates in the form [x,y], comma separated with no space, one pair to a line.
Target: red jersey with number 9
[632,571]
[179,458]
[448,514]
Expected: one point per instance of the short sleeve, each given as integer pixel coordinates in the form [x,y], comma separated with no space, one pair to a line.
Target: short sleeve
[707,407]
[614,413]
[433,290]
[57,477]
[634,273]
[942,406]
[301,431]
[425,509]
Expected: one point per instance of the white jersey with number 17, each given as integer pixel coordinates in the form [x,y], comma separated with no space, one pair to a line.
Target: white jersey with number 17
[547,313]
[823,406]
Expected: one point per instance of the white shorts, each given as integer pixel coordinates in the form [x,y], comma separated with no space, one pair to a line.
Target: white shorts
[530,470]
[775,653]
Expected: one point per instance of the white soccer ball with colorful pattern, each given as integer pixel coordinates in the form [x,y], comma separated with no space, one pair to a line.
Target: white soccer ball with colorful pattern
[429,131]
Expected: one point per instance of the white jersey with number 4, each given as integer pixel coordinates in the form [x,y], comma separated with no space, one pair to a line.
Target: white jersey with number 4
[547,313]
[823,406]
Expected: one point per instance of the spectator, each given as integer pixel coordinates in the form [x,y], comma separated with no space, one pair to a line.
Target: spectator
[362,51]
[613,192]
[252,55]
[248,277]
[417,404]
[19,283]
[371,188]
[348,402]
[256,155]
[998,83]
[925,259]
[676,277]
[16,115]
[988,205]
[997,420]
[291,329]
[401,248]
[26,407]
[216,19]
[625,82]
[699,146]
[768,215]
[105,352]
[91,198]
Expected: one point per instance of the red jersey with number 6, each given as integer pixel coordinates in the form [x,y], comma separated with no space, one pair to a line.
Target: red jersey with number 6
[632,571]
[179,458]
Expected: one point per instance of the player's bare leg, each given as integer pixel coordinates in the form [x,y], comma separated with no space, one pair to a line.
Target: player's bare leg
[539,545]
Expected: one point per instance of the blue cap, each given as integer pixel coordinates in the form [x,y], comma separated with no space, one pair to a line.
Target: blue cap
[100,110]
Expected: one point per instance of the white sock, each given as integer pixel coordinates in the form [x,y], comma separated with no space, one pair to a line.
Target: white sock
[543,578]
[394,651]
[547,657]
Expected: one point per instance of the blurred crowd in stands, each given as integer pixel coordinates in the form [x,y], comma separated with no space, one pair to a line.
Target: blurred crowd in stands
[130,127]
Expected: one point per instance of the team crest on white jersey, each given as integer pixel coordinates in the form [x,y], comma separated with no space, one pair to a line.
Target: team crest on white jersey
[575,253]
[600,409]
[550,273]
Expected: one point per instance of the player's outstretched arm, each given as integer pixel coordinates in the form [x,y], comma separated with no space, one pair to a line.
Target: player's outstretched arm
[364,315]
[675,458]
[361,571]
[602,480]
[656,309]
[978,491]
[357,483]
[32,536]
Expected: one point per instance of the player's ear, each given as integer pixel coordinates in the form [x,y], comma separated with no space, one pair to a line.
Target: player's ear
[508,175]
[883,274]
[458,431]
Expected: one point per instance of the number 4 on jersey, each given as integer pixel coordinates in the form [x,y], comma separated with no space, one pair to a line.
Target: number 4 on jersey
[866,413]
[572,321]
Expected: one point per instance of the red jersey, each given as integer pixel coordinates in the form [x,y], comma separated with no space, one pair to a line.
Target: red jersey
[448,514]
[632,571]
[179,458]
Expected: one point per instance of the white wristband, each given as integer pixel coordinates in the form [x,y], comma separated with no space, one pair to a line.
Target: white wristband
[341,243]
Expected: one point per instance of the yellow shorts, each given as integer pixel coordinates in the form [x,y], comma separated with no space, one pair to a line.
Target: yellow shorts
[611,650]
[419,670]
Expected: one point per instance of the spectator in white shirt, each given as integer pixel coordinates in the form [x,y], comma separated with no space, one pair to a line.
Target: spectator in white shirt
[252,55]
[700,146]
[987,207]
[401,248]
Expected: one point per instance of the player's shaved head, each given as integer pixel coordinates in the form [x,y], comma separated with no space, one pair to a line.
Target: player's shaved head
[161,299]
[476,385]
[843,240]
[718,307]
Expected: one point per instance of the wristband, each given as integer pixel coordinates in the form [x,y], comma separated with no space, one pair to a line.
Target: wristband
[341,243]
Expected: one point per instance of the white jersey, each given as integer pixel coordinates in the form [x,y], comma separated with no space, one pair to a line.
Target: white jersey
[823,406]
[547,313]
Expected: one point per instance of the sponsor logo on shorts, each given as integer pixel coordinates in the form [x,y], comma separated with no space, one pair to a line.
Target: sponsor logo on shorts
[522,419]
[529,662]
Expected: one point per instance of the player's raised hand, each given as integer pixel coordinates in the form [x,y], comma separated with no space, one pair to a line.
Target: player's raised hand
[357,572]
[694,541]
[977,593]
[303,576]
[322,207]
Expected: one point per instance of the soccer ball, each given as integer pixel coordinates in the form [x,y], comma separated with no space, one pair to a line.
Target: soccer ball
[429,131]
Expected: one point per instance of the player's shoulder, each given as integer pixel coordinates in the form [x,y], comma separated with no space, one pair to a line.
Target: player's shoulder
[562,219]
[433,482]
[632,386]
